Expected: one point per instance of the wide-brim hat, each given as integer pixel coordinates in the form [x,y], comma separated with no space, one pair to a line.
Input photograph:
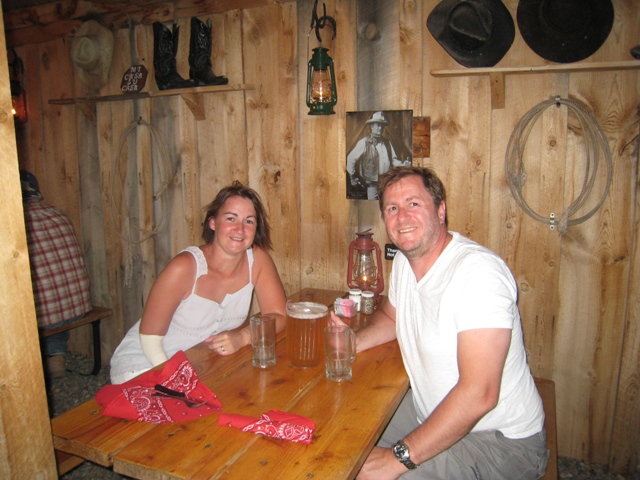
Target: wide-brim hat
[92,52]
[476,33]
[565,31]
[377,117]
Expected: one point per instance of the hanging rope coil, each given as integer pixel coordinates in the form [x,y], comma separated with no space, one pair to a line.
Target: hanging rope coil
[164,179]
[162,171]
[596,144]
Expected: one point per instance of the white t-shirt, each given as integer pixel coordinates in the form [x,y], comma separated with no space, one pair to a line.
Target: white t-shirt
[468,287]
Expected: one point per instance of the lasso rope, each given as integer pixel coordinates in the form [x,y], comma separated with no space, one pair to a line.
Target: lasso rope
[595,142]
[164,178]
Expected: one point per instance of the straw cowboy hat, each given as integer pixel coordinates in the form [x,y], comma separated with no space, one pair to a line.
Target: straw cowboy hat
[377,117]
[91,53]
[476,33]
[565,31]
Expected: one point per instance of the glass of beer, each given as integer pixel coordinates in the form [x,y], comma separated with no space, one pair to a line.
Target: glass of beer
[305,332]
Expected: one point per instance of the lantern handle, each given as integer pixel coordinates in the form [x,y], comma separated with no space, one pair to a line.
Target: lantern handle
[319,23]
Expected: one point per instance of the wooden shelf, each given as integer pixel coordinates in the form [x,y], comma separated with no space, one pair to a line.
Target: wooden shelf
[497,74]
[193,97]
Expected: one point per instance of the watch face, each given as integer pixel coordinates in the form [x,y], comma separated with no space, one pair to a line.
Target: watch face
[401,451]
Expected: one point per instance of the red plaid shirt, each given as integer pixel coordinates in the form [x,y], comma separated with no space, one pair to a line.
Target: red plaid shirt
[59,277]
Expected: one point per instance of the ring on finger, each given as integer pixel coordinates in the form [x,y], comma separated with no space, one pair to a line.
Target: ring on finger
[222,349]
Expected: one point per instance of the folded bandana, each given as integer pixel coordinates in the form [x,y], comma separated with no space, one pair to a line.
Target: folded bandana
[274,423]
[138,398]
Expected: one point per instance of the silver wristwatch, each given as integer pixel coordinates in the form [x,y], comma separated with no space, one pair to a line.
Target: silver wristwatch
[401,452]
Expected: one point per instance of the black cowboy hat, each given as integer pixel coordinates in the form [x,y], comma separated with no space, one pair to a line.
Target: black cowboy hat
[476,33]
[565,31]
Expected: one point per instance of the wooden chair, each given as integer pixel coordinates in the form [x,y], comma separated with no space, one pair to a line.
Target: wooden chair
[547,390]
[93,317]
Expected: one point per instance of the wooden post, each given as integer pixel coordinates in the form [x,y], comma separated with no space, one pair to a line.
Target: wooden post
[26,445]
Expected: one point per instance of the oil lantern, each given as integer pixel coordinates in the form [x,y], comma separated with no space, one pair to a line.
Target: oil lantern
[365,270]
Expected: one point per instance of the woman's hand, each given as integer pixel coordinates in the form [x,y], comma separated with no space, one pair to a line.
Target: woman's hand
[229,342]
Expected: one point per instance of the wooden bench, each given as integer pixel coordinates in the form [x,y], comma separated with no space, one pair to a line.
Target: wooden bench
[547,390]
[93,317]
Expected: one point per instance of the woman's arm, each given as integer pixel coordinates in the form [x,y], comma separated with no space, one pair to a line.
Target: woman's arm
[269,289]
[171,287]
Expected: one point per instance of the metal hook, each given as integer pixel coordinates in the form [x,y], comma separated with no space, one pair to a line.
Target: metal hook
[319,23]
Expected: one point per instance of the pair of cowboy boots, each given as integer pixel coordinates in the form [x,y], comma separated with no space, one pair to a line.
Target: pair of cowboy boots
[165,48]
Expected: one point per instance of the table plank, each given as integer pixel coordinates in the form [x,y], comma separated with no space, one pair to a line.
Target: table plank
[84,432]
[278,387]
[349,416]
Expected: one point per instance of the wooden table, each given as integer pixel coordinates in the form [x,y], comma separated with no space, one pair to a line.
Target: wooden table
[349,417]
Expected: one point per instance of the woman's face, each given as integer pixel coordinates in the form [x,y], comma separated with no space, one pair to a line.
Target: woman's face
[235,224]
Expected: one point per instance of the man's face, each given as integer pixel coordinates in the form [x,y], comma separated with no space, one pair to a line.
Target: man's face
[412,220]
[376,129]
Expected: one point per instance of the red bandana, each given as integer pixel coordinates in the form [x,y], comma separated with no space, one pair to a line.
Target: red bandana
[136,400]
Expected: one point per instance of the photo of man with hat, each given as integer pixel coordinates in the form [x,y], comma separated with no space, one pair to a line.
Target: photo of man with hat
[374,154]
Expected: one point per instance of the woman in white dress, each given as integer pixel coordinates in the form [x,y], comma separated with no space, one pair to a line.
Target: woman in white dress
[204,293]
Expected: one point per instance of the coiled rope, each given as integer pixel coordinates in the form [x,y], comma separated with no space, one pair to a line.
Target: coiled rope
[164,176]
[595,143]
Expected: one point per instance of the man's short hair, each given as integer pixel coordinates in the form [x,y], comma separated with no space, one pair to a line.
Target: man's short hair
[429,179]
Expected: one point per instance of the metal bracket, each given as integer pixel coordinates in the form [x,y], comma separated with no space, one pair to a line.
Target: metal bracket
[552,221]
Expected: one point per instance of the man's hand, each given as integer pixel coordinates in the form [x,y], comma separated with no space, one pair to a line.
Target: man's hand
[335,320]
[381,464]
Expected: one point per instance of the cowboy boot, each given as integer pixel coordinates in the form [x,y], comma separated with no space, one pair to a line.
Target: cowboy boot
[165,48]
[200,55]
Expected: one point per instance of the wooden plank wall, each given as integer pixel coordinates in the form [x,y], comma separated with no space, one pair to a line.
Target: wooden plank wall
[578,292]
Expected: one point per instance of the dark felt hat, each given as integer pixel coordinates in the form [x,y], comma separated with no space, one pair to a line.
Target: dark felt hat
[29,183]
[565,31]
[476,33]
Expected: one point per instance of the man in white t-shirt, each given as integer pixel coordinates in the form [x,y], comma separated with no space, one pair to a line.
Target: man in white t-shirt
[473,411]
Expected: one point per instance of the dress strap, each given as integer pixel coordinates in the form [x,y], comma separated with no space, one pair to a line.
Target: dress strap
[201,263]
[250,259]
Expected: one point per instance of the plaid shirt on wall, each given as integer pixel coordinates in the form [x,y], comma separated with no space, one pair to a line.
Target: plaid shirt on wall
[59,277]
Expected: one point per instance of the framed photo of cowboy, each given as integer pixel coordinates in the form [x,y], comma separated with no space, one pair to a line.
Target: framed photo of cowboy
[376,142]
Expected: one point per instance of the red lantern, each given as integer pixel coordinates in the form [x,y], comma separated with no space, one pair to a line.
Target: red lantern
[18,93]
[365,270]
[18,102]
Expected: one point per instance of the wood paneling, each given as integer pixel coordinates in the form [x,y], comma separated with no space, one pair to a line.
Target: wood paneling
[577,292]
[272,127]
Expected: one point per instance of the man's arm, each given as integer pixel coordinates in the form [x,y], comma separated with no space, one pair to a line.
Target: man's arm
[380,329]
[481,357]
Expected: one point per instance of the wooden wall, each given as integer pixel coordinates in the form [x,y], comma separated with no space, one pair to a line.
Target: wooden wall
[579,295]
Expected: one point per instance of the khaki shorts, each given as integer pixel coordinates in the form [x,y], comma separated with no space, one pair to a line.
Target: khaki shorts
[482,455]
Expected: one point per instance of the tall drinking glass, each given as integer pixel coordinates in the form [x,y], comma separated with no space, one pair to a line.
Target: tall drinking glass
[340,348]
[263,340]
